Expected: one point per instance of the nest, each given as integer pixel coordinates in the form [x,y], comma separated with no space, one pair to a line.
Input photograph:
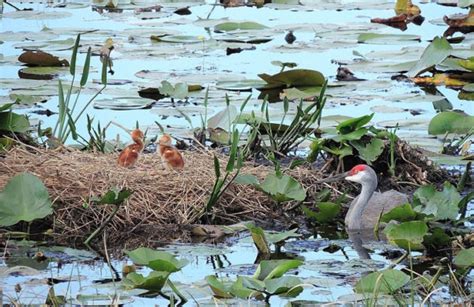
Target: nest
[162,200]
[160,197]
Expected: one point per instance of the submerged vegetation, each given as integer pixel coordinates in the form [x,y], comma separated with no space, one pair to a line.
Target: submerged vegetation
[254,181]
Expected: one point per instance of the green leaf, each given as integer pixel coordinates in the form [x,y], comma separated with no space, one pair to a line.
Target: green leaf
[224,118]
[403,213]
[438,50]
[253,284]
[234,26]
[246,179]
[371,151]
[24,198]
[72,67]
[386,281]
[281,236]
[353,124]
[10,121]
[114,197]
[295,77]
[7,106]
[327,212]
[283,188]
[440,205]
[156,260]
[259,238]
[238,289]
[233,151]
[437,239]
[451,122]
[465,258]
[87,65]
[407,235]
[283,285]
[217,167]
[376,38]
[218,288]
[268,269]
[103,78]
[153,282]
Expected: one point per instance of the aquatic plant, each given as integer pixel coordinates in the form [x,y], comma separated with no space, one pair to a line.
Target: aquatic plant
[67,115]
[324,211]
[163,264]
[269,280]
[262,239]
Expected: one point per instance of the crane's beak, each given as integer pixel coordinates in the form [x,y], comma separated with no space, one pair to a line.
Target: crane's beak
[334,178]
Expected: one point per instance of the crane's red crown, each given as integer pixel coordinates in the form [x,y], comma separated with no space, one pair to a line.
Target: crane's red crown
[357,168]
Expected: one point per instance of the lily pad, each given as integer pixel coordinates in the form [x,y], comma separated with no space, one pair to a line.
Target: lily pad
[124,103]
[283,188]
[407,235]
[24,198]
[465,258]
[376,38]
[295,77]
[451,122]
[386,281]
[156,260]
[233,26]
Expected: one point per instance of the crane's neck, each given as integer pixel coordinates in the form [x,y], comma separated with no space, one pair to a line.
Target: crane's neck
[139,143]
[354,215]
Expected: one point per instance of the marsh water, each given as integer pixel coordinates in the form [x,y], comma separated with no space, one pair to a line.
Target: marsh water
[326,36]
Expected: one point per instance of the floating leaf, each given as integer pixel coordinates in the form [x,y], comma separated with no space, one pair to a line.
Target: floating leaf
[451,122]
[156,260]
[40,58]
[386,281]
[283,285]
[24,198]
[327,212]
[295,77]
[353,124]
[233,26]
[218,288]
[440,205]
[376,38]
[153,282]
[123,103]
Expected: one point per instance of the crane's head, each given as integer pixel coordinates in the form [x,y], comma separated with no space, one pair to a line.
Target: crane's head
[165,140]
[361,173]
[137,135]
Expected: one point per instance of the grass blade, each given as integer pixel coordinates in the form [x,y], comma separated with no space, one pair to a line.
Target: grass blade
[72,65]
[85,71]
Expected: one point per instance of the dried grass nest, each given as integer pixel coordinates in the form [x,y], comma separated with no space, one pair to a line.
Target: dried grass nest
[160,198]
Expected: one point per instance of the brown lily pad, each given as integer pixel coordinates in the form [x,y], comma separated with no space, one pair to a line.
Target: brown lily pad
[41,58]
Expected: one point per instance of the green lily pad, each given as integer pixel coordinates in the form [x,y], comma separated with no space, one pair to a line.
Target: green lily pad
[182,39]
[371,151]
[283,188]
[123,103]
[294,78]
[156,260]
[375,38]
[234,26]
[327,212]
[24,198]
[10,121]
[386,281]
[451,122]
[438,205]
[268,269]
[403,213]
[153,282]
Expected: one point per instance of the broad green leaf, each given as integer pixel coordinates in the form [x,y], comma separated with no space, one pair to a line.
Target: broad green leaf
[294,78]
[153,282]
[351,136]
[451,122]
[283,188]
[233,26]
[268,269]
[259,238]
[24,198]
[277,237]
[407,235]
[386,281]
[353,124]
[371,151]
[327,212]
[403,213]
[246,179]
[253,283]
[440,205]
[156,260]
[114,197]
[218,288]
[436,239]
[465,258]
[10,121]
[238,289]
[376,38]
[283,285]
[438,50]
[223,119]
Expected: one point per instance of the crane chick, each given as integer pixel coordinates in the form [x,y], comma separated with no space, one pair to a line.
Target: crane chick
[170,156]
[129,156]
